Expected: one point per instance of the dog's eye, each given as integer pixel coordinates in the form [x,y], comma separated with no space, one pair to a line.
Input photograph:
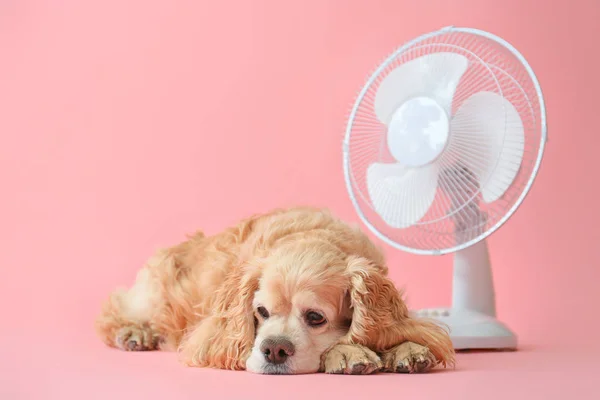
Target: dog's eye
[262,312]
[314,318]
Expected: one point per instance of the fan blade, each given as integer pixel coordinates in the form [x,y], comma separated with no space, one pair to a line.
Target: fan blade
[487,136]
[401,195]
[433,75]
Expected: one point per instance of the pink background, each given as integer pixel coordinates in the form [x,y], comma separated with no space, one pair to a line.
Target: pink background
[126,124]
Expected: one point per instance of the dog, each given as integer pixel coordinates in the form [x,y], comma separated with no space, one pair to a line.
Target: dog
[290,291]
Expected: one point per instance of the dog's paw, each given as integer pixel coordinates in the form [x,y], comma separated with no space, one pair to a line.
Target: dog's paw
[351,359]
[136,338]
[408,357]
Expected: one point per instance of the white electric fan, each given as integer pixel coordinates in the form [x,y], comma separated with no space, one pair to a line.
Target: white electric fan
[442,145]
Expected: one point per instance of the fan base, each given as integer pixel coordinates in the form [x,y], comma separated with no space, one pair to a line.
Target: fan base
[471,330]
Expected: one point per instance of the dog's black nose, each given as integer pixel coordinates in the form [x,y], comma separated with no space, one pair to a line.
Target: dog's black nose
[277,349]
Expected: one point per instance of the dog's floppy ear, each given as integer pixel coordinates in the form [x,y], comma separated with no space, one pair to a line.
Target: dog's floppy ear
[225,339]
[380,318]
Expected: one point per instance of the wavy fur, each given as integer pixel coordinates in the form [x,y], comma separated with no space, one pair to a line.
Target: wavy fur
[197,297]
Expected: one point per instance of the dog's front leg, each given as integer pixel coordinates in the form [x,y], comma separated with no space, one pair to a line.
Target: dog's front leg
[350,359]
[408,357]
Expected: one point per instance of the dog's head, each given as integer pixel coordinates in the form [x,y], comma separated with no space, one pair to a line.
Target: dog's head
[301,308]
[304,297]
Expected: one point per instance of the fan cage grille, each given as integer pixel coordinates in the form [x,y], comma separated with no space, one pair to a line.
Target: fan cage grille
[457,218]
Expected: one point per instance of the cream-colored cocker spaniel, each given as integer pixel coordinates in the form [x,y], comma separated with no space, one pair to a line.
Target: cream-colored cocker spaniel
[288,292]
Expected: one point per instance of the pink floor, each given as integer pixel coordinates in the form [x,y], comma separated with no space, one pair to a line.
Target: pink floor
[85,369]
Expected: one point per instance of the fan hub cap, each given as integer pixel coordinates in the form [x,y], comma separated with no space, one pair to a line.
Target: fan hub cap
[418,131]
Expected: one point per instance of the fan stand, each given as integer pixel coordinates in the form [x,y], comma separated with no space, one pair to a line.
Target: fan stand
[472,318]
